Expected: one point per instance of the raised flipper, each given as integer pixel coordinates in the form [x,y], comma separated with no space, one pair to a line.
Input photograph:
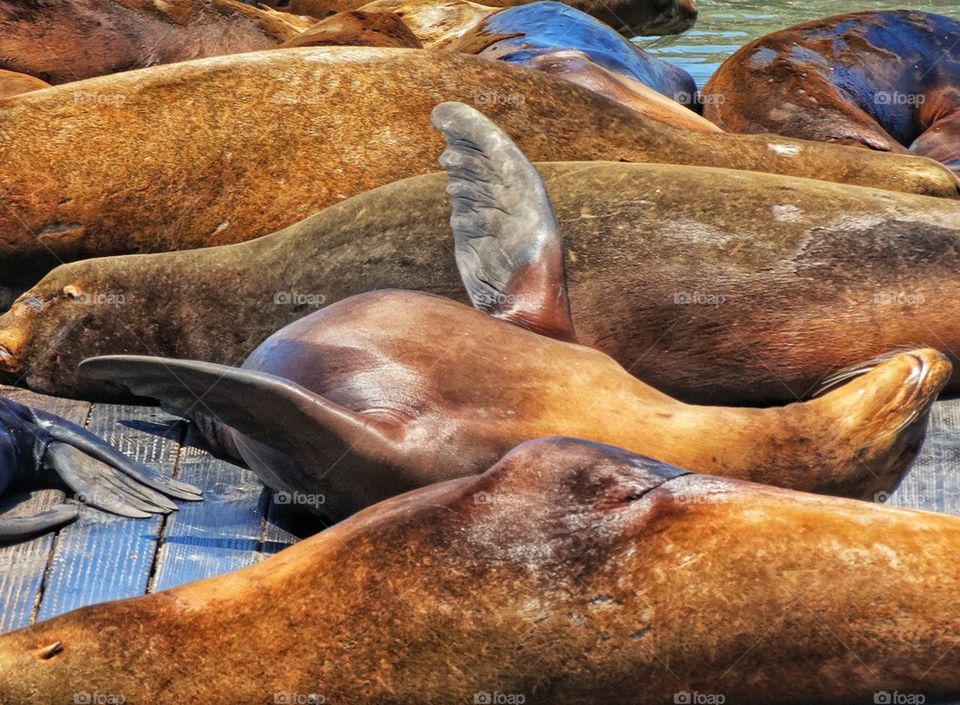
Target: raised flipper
[23,528]
[268,409]
[37,442]
[508,244]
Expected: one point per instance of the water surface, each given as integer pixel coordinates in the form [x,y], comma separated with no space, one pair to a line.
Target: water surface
[726,25]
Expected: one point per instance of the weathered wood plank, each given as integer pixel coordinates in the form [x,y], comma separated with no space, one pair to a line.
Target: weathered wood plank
[934,481]
[103,557]
[23,566]
[218,535]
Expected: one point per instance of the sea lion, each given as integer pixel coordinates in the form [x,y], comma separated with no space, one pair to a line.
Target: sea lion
[206,181]
[749,293]
[13,83]
[519,34]
[36,447]
[435,22]
[577,67]
[356,28]
[633,17]
[69,40]
[569,572]
[885,80]
[358,402]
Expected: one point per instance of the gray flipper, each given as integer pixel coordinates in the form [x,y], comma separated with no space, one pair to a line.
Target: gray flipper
[508,245]
[22,528]
[268,409]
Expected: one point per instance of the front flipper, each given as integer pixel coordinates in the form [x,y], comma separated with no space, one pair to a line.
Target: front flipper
[508,244]
[22,528]
[102,476]
[268,409]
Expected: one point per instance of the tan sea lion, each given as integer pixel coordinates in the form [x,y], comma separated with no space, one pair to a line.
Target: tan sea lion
[575,66]
[884,80]
[69,40]
[634,17]
[569,572]
[216,176]
[356,28]
[13,83]
[748,293]
[392,390]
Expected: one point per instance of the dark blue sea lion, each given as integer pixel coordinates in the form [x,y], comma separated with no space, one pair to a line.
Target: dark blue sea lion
[888,81]
[38,448]
[518,35]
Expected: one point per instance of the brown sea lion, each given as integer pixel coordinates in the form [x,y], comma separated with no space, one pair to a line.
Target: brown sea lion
[569,572]
[37,448]
[643,17]
[575,66]
[356,28]
[69,40]
[13,83]
[392,390]
[749,293]
[212,175]
[885,80]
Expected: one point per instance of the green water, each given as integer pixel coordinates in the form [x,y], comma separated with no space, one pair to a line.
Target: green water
[726,25]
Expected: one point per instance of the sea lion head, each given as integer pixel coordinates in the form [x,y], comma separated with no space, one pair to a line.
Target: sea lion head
[885,403]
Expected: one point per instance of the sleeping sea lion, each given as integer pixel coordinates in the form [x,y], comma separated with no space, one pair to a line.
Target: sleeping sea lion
[69,40]
[577,67]
[569,572]
[216,176]
[436,23]
[712,285]
[37,447]
[885,80]
[356,28]
[518,35]
[633,17]
[358,401]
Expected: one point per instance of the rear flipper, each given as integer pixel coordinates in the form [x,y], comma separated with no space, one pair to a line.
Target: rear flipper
[23,528]
[102,476]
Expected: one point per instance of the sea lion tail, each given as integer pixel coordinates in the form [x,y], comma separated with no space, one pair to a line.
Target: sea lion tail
[507,241]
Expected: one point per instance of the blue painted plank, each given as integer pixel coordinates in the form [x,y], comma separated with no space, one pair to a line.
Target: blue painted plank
[23,565]
[934,481]
[219,535]
[102,557]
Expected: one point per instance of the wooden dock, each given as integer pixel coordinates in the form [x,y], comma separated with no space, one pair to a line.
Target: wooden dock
[101,557]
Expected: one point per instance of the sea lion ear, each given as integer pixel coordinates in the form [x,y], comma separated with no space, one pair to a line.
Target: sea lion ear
[508,246]
[266,408]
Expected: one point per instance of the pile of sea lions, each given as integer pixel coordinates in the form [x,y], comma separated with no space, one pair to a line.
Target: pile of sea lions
[600,413]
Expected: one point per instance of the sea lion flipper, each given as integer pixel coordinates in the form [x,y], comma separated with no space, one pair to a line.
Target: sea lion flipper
[264,407]
[508,245]
[22,528]
[145,479]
